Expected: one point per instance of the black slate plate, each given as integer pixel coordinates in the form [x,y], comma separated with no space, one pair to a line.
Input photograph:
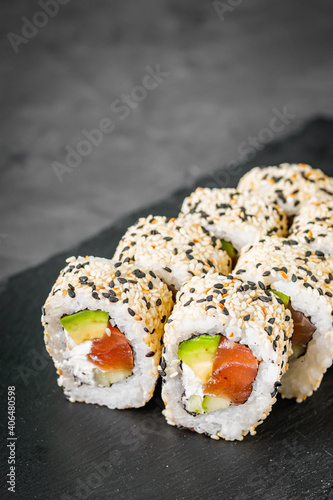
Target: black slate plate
[78,451]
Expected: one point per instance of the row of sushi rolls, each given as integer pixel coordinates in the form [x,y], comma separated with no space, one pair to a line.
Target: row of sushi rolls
[230,304]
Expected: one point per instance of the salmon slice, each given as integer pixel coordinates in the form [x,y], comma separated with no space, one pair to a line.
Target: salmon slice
[112,352]
[303,328]
[234,370]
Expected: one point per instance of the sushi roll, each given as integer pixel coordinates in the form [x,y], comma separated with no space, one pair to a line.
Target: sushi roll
[226,347]
[314,226]
[302,278]
[103,325]
[175,250]
[292,184]
[236,218]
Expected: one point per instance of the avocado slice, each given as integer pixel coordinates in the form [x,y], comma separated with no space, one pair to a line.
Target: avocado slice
[199,353]
[229,248]
[214,403]
[86,325]
[285,298]
[106,379]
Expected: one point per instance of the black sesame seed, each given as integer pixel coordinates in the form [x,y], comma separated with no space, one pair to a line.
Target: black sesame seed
[150,354]
[130,311]
[247,317]
[113,299]
[117,264]
[71,293]
[262,286]
[167,269]
[225,311]
[210,307]
[264,299]
[111,284]
[158,302]
[95,295]
[117,274]
[192,290]
[83,279]
[106,295]
[163,319]
[269,330]
[266,273]
[271,321]
[152,274]
[209,298]
[150,285]
[125,301]
[139,274]
[218,285]
[146,330]
[294,278]
[122,280]
[201,300]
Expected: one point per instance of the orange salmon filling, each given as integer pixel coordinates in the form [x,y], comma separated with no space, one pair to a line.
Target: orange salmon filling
[234,370]
[112,352]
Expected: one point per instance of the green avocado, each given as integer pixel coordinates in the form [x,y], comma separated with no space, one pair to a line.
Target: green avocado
[199,353]
[86,325]
[229,248]
[285,298]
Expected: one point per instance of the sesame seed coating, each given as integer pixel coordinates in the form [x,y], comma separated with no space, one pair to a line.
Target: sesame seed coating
[294,262]
[124,292]
[290,184]
[157,238]
[239,218]
[314,226]
[247,322]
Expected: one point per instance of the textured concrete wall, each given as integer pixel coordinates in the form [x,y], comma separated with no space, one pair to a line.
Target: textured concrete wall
[227,71]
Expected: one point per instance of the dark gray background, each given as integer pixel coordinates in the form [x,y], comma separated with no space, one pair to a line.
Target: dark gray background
[226,76]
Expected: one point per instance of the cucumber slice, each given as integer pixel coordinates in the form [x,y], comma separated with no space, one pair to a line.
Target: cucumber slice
[298,350]
[214,403]
[105,379]
[285,298]
[229,248]
[195,404]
